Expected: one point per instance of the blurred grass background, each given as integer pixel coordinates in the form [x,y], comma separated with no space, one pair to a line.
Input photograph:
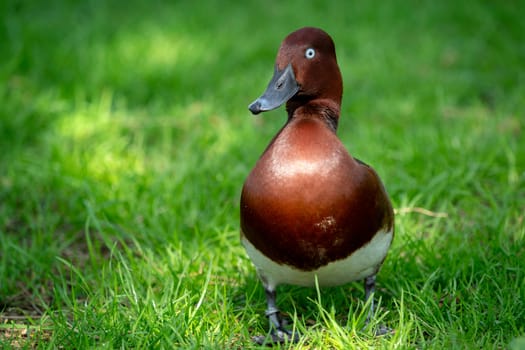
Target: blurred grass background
[125,139]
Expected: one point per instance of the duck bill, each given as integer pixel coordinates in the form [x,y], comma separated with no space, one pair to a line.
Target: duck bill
[281,88]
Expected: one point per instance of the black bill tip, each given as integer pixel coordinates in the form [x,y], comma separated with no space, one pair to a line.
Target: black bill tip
[255,107]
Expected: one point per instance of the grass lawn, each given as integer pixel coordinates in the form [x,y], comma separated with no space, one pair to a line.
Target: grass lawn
[125,140]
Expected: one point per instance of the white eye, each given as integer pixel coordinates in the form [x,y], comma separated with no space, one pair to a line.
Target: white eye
[309,53]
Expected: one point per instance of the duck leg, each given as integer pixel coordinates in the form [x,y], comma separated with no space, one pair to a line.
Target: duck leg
[278,333]
[370,286]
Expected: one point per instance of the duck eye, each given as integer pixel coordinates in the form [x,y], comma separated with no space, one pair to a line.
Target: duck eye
[309,53]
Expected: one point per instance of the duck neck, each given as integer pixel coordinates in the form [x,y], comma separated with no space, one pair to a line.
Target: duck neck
[325,109]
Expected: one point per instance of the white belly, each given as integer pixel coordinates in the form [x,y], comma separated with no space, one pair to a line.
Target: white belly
[362,263]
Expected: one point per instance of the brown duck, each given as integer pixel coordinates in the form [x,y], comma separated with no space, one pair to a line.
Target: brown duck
[309,210]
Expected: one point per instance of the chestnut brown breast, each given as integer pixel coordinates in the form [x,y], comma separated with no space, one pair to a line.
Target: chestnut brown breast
[307,202]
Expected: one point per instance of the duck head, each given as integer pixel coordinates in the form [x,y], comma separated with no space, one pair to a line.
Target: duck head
[305,70]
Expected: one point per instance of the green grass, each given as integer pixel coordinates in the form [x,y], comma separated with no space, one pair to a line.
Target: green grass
[125,139]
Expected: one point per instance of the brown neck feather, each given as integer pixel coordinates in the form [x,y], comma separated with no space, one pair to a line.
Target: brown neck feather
[326,109]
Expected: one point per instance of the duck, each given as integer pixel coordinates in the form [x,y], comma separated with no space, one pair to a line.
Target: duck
[310,213]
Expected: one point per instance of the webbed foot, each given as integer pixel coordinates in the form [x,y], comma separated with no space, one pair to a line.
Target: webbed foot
[382,330]
[277,336]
